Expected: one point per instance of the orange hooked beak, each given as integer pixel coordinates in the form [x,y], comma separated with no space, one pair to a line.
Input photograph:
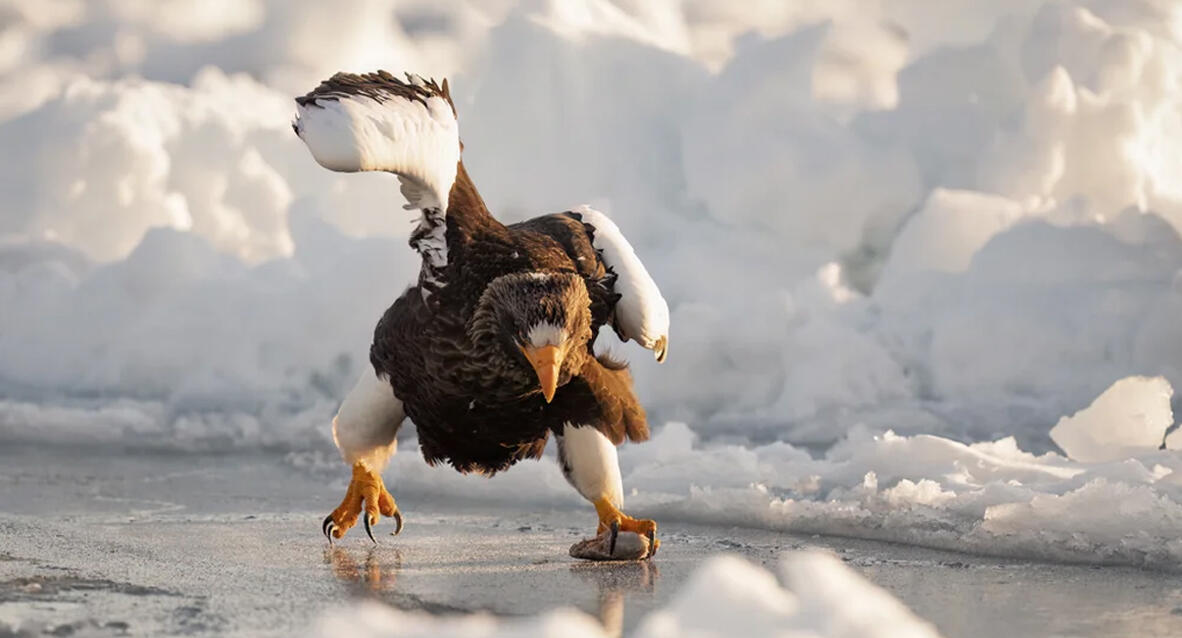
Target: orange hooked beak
[546,361]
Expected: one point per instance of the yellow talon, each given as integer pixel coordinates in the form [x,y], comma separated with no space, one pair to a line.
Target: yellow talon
[366,491]
[611,518]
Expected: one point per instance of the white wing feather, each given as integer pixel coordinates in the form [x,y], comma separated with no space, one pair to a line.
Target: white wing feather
[376,122]
[419,142]
[641,314]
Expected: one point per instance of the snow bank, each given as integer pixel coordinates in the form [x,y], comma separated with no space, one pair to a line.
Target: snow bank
[1119,504]
[194,348]
[105,161]
[726,596]
[986,498]
[961,222]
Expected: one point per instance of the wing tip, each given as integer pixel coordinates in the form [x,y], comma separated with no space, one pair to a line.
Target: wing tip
[661,349]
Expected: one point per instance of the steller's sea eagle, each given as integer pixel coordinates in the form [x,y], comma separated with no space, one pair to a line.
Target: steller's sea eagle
[492,350]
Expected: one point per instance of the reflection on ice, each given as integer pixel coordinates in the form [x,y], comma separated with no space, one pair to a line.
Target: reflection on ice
[375,573]
[615,582]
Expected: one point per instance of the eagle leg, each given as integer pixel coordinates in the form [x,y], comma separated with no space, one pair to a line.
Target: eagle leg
[366,492]
[589,461]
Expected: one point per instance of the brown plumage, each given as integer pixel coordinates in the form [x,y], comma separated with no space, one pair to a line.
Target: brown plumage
[378,86]
[472,395]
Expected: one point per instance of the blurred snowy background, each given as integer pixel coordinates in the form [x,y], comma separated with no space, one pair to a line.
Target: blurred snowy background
[952,218]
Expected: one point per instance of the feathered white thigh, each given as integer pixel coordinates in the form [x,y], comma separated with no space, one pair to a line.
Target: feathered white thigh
[590,463]
[367,422]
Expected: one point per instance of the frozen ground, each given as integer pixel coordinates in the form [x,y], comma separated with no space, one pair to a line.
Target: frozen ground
[121,542]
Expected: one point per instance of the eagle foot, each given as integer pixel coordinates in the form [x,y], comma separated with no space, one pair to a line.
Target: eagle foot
[366,492]
[612,521]
[614,545]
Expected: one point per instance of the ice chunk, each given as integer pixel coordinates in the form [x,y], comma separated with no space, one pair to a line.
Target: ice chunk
[1119,519]
[1128,418]
[950,228]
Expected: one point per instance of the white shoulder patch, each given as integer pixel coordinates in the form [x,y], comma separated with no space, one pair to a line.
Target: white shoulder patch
[642,314]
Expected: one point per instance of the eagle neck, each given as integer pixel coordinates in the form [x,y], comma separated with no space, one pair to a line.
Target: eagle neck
[465,211]
[463,198]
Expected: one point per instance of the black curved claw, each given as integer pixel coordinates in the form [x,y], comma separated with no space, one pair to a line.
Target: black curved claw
[397,522]
[611,551]
[652,543]
[327,527]
[368,530]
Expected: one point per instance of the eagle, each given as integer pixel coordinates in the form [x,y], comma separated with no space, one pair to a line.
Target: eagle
[492,350]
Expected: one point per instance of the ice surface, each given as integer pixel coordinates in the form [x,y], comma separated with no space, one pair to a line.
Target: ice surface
[906,238]
[372,619]
[726,596]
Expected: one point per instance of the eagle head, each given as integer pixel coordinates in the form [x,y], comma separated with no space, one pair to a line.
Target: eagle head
[541,322]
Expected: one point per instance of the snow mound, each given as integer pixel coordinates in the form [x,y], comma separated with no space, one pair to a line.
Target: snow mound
[130,155]
[726,596]
[958,221]
[988,498]
[1129,418]
[835,601]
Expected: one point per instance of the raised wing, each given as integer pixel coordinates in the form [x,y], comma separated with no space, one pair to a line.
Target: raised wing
[376,122]
[641,313]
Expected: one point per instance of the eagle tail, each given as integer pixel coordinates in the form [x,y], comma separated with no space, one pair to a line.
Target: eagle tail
[377,122]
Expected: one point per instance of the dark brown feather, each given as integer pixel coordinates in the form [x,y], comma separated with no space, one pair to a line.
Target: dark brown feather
[379,86]
[476,406]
